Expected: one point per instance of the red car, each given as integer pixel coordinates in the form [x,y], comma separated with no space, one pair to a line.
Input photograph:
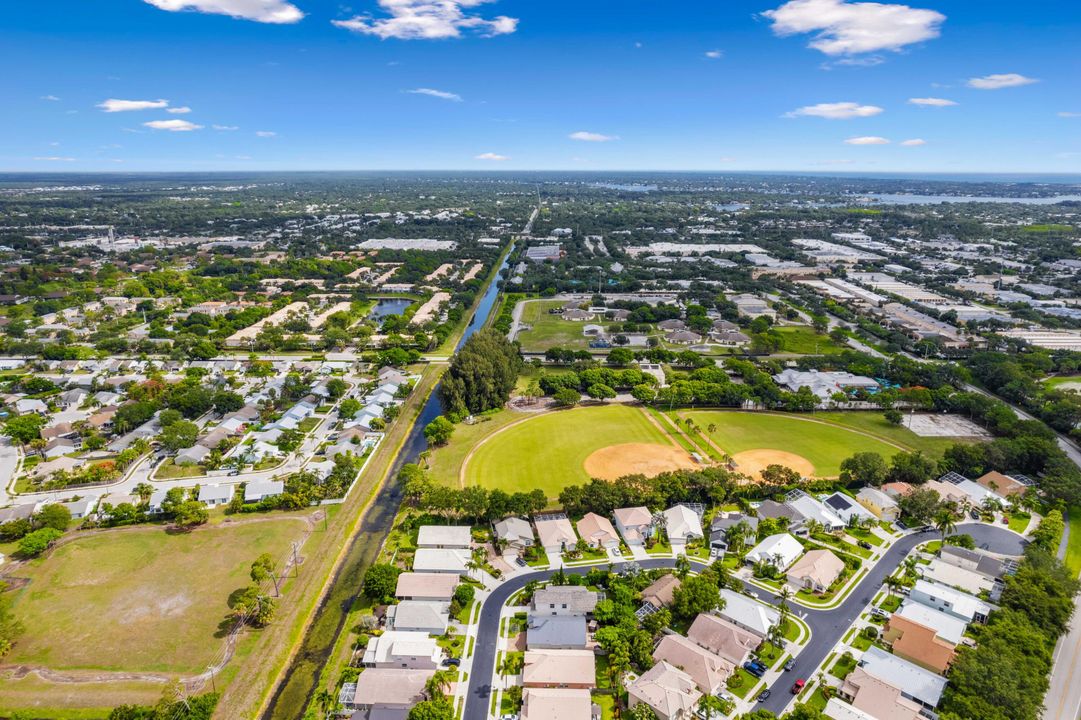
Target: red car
[797,687]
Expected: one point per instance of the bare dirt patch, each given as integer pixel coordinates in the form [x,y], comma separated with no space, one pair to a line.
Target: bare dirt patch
[753,462]
[647,459]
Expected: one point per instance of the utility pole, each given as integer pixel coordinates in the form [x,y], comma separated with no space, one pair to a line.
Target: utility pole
[296,562]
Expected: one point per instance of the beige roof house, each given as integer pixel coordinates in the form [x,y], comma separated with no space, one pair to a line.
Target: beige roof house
[669,691]
[661,592]
[816,570]
[426,586]
[598,531]
[389,686]
[633,523]
[556,534]
[559,669]
[709,671]
[872,695]
[724,638]
[556,704]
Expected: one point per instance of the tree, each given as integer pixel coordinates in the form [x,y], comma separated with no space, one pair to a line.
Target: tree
[38,541]
[181,434]
[696,595]
[914,468]
[254,607]
[600,391]
[945,521]
[336,387]
[226,402]
[349,407]
[143,491]
[566,397]
[380,581]
[436,686]
[482,374]
[264,568]
[190,513]
[919,506]
[867,468]
[1048,533]
[893,416]
[683,567]
[55,515]
[440,709]
[621,357]
[775,474]
[24,428]
[439,431]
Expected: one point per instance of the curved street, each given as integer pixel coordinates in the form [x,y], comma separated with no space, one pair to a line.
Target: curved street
[827,626]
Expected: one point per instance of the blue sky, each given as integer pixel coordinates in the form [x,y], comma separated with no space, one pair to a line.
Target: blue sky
[541,84]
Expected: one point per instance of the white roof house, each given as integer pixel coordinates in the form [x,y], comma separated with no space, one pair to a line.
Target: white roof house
[682,524]
[445,536]
[837,709]
[922,685]
[441,560]
[813,509]
[947,627]
[403,649]
[780,550]
[427,616]
[954,602]
[214,495]
[748,613]
[258,490]
[823,384]
[846,507]
[82,507]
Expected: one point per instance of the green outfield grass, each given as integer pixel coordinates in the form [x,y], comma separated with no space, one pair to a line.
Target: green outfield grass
[549,330]
[548,451]
[140,600]
[825,445]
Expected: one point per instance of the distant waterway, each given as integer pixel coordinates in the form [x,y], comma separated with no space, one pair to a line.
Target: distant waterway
[635,187]
[905,199]
[302,678]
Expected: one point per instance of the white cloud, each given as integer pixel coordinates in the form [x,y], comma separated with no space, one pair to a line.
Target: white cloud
[714,54]
[50,98]
[441,94]
[278,12]
[1069,114]
[179,110]
[836,111]
[848,28]
[112,105]
[225,127]
[592,136]
[491,156]
[265,133]
[931,102]
[429,20]
[867,61]
[914,142]
[53,158]
[172,125]
[999,81]
[867,140]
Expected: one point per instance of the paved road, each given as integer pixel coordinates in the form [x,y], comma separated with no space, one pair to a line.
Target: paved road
[827,626]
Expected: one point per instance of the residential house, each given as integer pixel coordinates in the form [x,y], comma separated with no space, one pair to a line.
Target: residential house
[817,570]
[813,509]
[153,506]
[215,495]
[423,616]
[1005,485]
[773,510]
[559,669]
[259,490]
[405,650]
[847,508]
[837,709]
[598,532]
[442,560]
[748,613]
[58,447]
[556,632]
[192,456]
[385,688]
[780,551]
[671,693]
[67,464]
[723,638]
[556,534]
[426,586]
[924,636]
[708,671]
[824,385]
[682,525]
[880,504]
[564,600]
[515,533]
[891,688]
[82,507]
[953,602]
[661,592]
[635,524]
[721,526]
[445,537]
[975,561]
[27,406]
[558,704]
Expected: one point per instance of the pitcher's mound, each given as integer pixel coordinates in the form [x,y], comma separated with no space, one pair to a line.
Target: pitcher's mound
[615,461]
[753,462]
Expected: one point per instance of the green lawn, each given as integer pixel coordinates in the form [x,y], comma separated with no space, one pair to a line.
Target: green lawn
[745,683]
[1073,544]
[169,470]
[825,445]
[446,462]
[548,451]
[1064,382]
[843,666]
[139,600]
[1019,521]
[550,330]
[874,423]
[803,340]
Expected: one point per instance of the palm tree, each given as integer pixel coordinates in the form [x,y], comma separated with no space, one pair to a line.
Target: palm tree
[892,583]
[144,491]
[328,702]
[683,567]
[712,428]
[710,706]
[813,527]
[437,685]
[945,522]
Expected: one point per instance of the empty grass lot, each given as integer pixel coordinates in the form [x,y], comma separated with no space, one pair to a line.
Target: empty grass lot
[139,600]
[550,330]
[548,451]
[825,445]
[803,340]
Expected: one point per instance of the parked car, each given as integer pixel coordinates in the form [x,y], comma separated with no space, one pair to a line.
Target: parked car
[797,687]
[865,545]
[879,612]
[976,515]
[520,561]
[452,662]
[763,696]
[790,664]
[754,669]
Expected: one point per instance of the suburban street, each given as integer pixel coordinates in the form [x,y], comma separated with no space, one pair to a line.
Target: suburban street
[827,626]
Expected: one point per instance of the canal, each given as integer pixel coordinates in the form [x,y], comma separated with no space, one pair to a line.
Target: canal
[300,685]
